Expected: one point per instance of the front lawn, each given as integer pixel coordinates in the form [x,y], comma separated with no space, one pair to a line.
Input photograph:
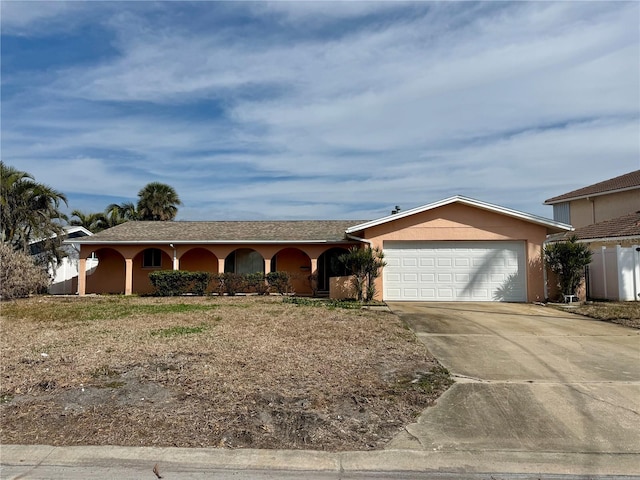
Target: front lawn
[249,372]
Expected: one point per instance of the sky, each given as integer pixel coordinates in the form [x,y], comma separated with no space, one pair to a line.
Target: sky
[320,110]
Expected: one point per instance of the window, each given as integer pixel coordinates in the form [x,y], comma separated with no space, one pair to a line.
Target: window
[561,212]
[152,258]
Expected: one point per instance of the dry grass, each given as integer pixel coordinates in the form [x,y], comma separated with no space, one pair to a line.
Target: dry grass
[229,372]
[623,313]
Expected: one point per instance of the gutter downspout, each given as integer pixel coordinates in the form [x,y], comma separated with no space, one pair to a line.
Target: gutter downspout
[175,257]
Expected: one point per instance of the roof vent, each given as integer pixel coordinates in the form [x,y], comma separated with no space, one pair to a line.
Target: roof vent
[395,210]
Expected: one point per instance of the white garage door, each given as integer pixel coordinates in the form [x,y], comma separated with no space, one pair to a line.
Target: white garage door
[455,271]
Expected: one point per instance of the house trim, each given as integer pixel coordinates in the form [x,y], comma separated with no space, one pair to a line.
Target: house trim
[208,242]
[590,195]
[464,201]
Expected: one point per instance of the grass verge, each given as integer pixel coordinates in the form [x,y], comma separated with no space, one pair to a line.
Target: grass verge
[622,313]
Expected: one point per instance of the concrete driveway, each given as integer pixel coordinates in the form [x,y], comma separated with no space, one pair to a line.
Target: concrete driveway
[528,379]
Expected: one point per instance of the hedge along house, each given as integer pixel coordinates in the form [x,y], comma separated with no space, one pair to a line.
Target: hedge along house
[457,249]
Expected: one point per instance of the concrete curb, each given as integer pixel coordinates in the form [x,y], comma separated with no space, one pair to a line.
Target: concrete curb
[405,461]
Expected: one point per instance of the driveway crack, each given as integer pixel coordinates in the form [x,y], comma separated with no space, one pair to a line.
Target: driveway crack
[586,394]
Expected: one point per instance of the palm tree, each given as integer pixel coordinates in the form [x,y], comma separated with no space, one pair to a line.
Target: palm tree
[94,222]
[115,214]
[157,201]
[30,212]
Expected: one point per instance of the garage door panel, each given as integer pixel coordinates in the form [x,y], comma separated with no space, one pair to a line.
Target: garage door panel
[445,293]
[449,271]
[394,277]
[393,262]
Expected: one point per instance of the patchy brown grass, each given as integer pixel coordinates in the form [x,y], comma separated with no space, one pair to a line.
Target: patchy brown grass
[229,372]
[623,313]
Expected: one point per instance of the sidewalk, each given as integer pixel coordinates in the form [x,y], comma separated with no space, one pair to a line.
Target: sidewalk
[32,461]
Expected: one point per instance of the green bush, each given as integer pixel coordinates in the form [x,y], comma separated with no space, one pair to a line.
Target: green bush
[233,283]
[279,281]
[19,275]
[200,282]
[255,282]
[169,283]
[568,260]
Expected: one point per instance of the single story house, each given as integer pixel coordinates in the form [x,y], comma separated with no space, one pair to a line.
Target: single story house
[457,249]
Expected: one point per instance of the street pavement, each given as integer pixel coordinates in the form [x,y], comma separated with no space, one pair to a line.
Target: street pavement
[539,394]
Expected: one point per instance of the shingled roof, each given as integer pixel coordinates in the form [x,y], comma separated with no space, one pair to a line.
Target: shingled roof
[627,226]
[628,181]
[225,231]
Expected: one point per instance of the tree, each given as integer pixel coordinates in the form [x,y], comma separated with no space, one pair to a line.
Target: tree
[19,275]
[115,214]
[157,201]
[568,260]
[364,264]
[94,222]
[31,212]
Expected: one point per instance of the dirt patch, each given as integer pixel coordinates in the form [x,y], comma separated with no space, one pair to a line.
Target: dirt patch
[225,372]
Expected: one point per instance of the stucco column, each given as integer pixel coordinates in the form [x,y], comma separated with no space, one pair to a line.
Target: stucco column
[128,276]
[314,276]
[221,265]
[267,265]
[82,276]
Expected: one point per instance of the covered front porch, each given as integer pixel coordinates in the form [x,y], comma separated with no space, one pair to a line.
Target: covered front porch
[124,268]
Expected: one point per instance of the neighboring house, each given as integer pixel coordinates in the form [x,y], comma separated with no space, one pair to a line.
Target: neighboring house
[598,202]
[457,249]
[614,273]
[606,216]
[64,275]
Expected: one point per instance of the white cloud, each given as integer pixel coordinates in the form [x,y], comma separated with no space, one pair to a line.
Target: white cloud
[490,100]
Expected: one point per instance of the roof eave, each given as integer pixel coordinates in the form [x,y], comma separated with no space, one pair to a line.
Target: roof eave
[552,201]
[465,201]
[204,242]
[598,239]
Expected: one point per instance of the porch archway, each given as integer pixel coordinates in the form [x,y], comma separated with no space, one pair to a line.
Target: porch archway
[298,264]
[244,260]
[329,266]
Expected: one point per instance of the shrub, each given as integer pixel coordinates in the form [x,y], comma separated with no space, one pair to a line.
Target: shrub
[169,283]
[256,282]
[364,264]
[19,275]
[200,282]
[233,282]
[279,281]
[568,260]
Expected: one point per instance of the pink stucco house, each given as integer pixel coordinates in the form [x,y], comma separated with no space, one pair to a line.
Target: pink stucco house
[457,249]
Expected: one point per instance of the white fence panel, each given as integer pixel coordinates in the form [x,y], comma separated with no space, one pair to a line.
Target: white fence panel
[614,273]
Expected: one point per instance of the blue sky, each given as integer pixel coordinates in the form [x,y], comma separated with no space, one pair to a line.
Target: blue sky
[327,110]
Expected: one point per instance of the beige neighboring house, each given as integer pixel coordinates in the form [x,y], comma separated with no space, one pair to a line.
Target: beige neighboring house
[606,216]
[599,202]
